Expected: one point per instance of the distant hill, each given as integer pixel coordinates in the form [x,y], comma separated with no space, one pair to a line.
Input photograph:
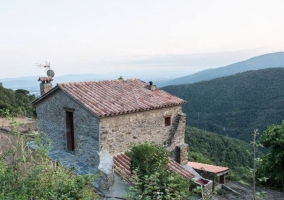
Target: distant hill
[255,63]
[32,85]
[211,148]
[235,105]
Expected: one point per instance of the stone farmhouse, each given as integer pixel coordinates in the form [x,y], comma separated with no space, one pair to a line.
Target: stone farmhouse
[89,118]
[108,115]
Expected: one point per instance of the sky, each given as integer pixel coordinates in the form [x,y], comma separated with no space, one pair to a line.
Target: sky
[135,38]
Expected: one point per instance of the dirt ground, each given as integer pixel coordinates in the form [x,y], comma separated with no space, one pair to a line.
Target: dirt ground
[246,193]
[6,122]
[25,124]
[7,141]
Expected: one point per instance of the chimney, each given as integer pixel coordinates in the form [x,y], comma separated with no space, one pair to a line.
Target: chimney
[181,154]
[152,87]
[45,84]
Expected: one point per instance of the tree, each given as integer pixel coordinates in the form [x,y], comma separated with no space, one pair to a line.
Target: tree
[272,163]
[22,91]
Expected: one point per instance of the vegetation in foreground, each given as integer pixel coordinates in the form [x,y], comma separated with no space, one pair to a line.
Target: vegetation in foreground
[152,179]
[26,174]
[271,165]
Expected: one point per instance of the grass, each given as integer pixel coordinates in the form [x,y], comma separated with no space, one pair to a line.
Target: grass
[27,174]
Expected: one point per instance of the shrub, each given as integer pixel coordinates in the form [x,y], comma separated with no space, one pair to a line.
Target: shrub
[152,179]
[271,166]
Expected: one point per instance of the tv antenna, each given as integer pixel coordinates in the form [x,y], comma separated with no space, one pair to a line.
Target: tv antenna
[49,72]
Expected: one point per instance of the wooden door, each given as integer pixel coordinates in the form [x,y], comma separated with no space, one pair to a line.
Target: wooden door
[70,139]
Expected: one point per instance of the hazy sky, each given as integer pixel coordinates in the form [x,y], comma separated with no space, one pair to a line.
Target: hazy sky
[129,36]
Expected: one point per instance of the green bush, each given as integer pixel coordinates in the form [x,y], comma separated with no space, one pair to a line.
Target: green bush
[271,166]
[148,158]
[152,179]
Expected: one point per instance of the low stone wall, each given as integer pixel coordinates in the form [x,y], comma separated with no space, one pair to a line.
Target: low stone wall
[106,175]
[207,190]
[118,132]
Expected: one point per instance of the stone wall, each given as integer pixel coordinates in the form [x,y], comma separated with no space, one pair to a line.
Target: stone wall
[118,132]
[45,87]
[207,190]
[51,120]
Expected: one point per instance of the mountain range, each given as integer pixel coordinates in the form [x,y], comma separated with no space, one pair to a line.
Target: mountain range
[234,105]
[263,61]
[255,63]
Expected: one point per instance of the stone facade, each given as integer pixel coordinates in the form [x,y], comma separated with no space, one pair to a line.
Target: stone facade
[45,87]
[51,114]
[118,132]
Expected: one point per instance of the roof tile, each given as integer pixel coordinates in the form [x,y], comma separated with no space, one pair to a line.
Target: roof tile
[114,97]
[206,167]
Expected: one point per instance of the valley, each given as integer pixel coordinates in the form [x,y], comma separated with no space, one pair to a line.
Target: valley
[235,105]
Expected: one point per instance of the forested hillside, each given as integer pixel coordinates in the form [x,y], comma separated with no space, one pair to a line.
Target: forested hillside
[259,62]
[235,105]
[217,149]
[17,102]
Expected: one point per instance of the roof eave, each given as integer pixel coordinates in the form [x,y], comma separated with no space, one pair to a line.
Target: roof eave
[140,110]
[44,95]
[223,172]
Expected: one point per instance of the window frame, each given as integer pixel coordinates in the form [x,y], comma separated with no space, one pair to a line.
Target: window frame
[167,121]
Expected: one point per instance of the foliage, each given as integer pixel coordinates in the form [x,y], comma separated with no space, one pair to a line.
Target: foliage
[272,163]
[18,102]
[199,157]
[26,174]
[22,91]
[242,174]
[148,158]
[211,148]
[255,160]
[234,105]
[152,179]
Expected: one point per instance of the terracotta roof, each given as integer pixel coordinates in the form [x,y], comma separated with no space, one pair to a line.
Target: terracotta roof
[106,98]
[209,168]
[122,167]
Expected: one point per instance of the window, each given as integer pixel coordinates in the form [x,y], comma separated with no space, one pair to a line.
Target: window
[167,121]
